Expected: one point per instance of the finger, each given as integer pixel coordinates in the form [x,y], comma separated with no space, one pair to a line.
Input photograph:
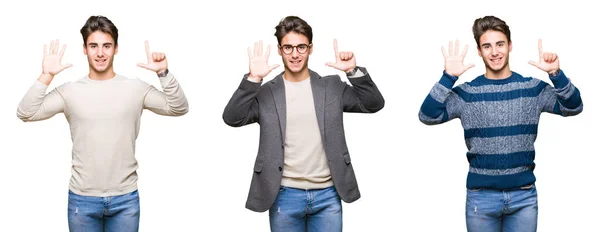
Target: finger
[260,48]
[469,66]
[554,57]
[343,56]
[350,55]
[450,48]
[65,67]
[444,52]
[268,52]
[547,57]
[335,49]
[249,54]
[456,47]
[255,49]
[162,56]
[464,53]
[45,50]
[540,50]
[147,48]
[274,67]
[142,65]
[62,51]
[534,63]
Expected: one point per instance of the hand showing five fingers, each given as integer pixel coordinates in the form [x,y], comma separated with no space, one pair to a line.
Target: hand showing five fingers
[157,61]
[453,62]
[548,61]
[51,64]
[344,61]
[259,66]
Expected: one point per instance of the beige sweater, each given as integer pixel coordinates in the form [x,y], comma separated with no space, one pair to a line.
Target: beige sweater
[104,117]
[305,163]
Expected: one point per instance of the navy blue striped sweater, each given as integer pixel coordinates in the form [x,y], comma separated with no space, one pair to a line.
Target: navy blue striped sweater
[500,121]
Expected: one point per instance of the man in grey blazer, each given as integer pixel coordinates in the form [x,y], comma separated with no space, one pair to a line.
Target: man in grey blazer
[303,168]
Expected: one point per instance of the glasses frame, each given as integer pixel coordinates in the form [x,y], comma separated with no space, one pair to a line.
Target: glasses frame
[294,47]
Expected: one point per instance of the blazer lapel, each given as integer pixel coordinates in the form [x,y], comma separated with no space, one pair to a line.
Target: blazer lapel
[278,90]
[318,90]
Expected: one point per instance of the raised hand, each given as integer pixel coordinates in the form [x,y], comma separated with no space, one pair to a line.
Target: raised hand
[51,64]
[259,66]
[548,61]
[157,61]
[453,62]
[344,61]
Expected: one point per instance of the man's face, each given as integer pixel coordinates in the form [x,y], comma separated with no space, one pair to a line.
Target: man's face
[494,49]
[297,59]
[100,50]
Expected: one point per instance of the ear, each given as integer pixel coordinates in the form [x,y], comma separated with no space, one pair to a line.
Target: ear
[84,49]
[479,51]
[278,49]
[116,49]
[310,49]
[510,46]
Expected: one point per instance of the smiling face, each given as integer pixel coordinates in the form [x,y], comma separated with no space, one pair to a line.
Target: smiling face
[100,51]
[494,49]
[296,62]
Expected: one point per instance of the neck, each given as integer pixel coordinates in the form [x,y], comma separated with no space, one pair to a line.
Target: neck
[296,76]
[498,75]
[101,76]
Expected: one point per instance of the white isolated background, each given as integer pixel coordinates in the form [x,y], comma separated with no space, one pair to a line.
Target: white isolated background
[195,171]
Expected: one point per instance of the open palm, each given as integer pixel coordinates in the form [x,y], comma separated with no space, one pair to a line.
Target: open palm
[453,62]
[51,64]
[259,66]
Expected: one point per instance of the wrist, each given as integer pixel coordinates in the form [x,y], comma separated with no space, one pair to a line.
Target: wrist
[553,73]
[352,71]
[162,73]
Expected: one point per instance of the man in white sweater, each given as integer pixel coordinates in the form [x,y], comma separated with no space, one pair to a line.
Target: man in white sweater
[103,110]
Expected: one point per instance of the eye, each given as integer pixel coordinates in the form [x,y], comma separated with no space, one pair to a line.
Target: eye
[302,46]
[93,46]
[107,46]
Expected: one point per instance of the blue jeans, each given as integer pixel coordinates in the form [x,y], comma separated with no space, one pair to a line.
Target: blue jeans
[490,210]
[104,214]
[299,210]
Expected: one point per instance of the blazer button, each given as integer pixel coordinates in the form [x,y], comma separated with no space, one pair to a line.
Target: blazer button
[280,169]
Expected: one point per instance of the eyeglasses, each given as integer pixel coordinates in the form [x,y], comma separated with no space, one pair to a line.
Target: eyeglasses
[288,49]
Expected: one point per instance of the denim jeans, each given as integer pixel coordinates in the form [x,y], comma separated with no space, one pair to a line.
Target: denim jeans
[104,214]
[299,210]
[512,210]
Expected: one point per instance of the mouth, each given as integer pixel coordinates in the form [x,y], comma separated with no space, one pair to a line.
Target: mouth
[496,60]
[101,61]
[295,62]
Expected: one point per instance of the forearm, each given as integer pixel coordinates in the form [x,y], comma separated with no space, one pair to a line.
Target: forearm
[569,100]
[242,107]
[176,103]
[364,92]
[434,108]
[37,105]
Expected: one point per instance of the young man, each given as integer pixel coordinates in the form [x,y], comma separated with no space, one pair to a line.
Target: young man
[103,110]
[499,112]
[303,167]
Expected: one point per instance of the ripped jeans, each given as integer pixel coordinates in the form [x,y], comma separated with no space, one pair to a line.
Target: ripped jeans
[489,210]
[299,210]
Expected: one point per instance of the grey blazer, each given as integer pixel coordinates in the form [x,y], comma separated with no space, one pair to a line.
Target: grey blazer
[265,104]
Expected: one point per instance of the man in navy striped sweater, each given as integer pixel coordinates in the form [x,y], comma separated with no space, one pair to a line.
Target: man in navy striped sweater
[499,112]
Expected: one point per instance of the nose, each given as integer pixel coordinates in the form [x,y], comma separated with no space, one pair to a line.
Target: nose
[494,51]
[295,52]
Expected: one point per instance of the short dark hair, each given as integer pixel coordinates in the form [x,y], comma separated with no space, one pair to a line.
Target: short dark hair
[99,23]
[481,25]
[293,24]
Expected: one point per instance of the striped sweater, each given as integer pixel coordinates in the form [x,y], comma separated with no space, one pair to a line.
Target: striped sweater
[500,121]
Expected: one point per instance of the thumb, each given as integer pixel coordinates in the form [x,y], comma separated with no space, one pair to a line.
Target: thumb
[469,66]
[274,67]
[142,65]
[65,67]
[330,64]
[536,64]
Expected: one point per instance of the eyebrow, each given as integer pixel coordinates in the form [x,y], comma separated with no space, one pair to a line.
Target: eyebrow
[499,42]
[97,43]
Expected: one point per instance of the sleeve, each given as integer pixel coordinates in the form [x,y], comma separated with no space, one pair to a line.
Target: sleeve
[441,104]
[36,105]
[563,99]
[362,96]
[170,102]
[242,108]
